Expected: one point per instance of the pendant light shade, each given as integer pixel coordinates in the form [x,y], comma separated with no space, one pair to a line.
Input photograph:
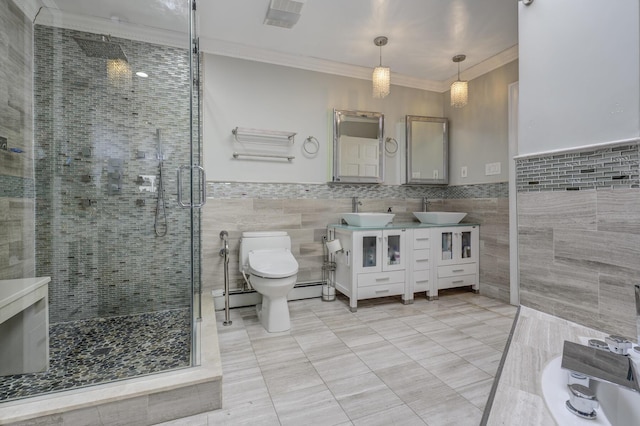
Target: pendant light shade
[381,82]
[381,75]
[459,88]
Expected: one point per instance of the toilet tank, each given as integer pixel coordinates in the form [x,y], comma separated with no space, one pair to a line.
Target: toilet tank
[261,241]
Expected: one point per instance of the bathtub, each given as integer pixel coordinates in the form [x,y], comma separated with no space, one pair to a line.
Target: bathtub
[619,406]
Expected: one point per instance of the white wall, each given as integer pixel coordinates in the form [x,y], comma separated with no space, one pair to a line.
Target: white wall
[479,132]
[240,93]
[579,73]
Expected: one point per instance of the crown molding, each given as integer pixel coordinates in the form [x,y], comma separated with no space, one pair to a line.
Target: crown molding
[29,7]
[240,51]
[57,18]
[488,65]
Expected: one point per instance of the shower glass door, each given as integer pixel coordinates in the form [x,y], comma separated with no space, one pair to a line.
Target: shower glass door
[104,109]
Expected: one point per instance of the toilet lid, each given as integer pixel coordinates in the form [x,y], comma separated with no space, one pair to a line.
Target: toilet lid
[277,263]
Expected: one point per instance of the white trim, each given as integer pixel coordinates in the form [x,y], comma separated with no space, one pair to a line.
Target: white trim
[484,67]
[579,148]
[514,267]
[240,51]
[28,7]
[57,18]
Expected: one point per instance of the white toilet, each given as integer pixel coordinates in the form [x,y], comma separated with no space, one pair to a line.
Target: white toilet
[272,271]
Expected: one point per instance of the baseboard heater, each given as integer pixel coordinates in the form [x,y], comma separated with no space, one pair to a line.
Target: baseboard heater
[240,298]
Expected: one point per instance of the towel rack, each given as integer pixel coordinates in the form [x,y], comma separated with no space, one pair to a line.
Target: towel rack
[284,157]
[257,135]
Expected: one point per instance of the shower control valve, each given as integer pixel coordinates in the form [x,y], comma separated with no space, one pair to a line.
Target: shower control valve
[147,183]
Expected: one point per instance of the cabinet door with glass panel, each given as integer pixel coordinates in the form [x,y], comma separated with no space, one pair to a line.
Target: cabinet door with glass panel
[457,245]
[378,251]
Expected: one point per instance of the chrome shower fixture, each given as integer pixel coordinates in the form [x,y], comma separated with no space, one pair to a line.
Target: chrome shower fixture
[104,48]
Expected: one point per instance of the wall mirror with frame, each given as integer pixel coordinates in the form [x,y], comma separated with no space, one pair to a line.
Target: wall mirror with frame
[427,150]
[358,147]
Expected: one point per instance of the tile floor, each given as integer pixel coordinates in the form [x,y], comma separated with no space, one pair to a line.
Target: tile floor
[429,363]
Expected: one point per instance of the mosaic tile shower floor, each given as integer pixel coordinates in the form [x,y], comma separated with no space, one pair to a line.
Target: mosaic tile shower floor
[88,352]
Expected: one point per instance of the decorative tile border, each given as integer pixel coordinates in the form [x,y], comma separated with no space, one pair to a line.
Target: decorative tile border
[607,167]
[234,190]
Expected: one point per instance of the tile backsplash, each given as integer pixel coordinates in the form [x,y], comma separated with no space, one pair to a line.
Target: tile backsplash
[608,167]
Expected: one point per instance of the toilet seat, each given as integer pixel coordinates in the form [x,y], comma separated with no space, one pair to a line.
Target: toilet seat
[276,263]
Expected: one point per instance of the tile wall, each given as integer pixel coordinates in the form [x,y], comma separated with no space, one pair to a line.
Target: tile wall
[579,235]
[94,137]
[304,211]
[17,233]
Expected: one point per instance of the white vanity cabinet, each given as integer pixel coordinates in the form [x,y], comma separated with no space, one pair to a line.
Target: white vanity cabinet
[403,259]
[421,259]
[372,264]
[456,256]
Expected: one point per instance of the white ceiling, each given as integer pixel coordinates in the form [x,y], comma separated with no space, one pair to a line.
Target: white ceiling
[336,36]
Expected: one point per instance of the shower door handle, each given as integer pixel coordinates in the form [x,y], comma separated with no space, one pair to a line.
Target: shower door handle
[203,187]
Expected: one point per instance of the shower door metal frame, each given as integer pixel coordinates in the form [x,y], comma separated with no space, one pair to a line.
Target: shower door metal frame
[195,158]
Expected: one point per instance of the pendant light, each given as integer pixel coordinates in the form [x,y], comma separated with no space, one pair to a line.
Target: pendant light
[459,88]
[381,75]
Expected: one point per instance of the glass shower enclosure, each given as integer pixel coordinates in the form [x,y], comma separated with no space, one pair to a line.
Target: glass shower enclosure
[101,185]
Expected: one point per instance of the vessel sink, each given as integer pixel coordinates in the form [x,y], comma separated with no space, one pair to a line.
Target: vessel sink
[368,219]
[440,218]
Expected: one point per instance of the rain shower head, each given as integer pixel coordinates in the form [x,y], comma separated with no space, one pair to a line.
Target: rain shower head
[105,48]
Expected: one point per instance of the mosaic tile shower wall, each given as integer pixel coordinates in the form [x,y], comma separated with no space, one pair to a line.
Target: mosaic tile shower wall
[95,139]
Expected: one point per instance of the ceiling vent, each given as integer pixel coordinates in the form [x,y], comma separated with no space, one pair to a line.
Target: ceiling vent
[283,13]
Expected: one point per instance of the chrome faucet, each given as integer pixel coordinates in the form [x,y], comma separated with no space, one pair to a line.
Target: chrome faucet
[601,365]
[354,204]
[425,203]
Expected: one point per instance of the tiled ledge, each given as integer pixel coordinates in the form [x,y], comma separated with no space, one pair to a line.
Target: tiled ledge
[141,401]
[538,338]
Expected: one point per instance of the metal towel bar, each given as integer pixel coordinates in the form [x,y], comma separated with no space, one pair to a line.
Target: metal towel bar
[284,157]
[257,135]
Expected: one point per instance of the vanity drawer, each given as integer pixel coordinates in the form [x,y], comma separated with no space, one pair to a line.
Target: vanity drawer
[455,270]
[459,281]
[421,239]
[379,278]
[421,260]
[421,280]
[383,290]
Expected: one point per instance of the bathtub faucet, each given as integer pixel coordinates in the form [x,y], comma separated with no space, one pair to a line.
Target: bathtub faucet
[601,365]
